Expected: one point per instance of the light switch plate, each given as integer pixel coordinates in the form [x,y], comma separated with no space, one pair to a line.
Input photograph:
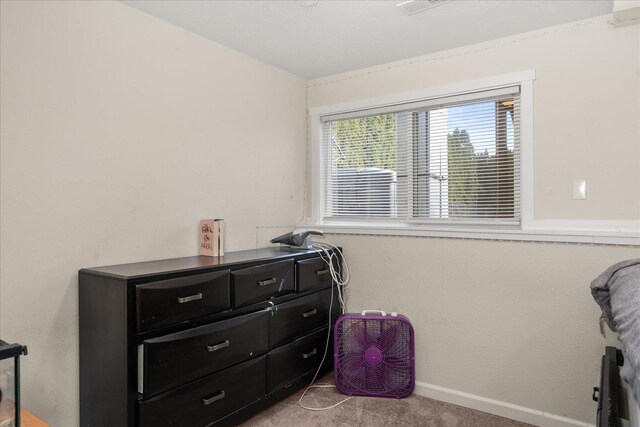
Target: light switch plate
[579,189]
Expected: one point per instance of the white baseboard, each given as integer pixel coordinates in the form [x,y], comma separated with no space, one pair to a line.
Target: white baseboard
[496,407]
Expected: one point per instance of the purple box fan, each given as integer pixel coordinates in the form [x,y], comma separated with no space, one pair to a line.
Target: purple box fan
[374,354]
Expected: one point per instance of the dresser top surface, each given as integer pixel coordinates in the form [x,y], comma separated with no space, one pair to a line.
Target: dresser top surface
[175,265]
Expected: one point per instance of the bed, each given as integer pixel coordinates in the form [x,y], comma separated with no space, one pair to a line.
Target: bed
[617,292]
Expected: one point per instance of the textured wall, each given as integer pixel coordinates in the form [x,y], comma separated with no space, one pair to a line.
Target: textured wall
[119,132]
[509,321]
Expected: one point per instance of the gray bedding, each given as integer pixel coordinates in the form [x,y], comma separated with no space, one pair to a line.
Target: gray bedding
[617,291]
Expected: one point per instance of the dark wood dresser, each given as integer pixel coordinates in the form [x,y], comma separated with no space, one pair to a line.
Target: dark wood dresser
[197,341]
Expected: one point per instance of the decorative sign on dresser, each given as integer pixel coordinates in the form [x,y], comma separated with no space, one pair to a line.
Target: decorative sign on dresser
[201,340]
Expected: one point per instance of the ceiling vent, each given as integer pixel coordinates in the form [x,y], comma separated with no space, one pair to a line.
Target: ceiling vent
[411,7]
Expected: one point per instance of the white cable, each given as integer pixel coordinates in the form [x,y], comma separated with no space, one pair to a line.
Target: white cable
[336,276]
[329,253]
[340,281]
[325,408]
[335,253]
[326,348]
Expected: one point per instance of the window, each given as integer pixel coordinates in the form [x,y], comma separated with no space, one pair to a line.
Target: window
[452,159]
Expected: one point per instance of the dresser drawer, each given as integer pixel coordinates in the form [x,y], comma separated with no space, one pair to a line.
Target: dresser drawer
[172,301]
[263,282]
[178,358]
[208,399]
[288,362]
[295,318]
[312,274]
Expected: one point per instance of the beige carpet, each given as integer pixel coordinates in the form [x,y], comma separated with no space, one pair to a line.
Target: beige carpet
[371,412]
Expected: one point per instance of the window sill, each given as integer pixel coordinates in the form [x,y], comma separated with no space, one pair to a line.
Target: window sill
[625,233]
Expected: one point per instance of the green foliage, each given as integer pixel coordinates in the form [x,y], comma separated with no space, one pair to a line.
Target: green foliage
[495,185]
[365,142]
[479,184]
[463,176]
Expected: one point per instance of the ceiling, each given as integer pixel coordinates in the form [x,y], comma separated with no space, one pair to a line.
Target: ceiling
[313,39]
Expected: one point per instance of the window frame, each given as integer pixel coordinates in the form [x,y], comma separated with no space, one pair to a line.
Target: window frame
[600,232]
[469,89]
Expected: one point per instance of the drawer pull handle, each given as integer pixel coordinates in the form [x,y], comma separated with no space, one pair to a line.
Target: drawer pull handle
[311,353]
[220,346]
[266,282]
[214,398]
[182,300]
[322,272]
[309,313]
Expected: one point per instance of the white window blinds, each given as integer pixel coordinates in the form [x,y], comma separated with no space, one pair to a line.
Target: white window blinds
[453,159]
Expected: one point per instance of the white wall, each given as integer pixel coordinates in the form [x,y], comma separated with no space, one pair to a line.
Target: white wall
[120,132]
[514,321]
